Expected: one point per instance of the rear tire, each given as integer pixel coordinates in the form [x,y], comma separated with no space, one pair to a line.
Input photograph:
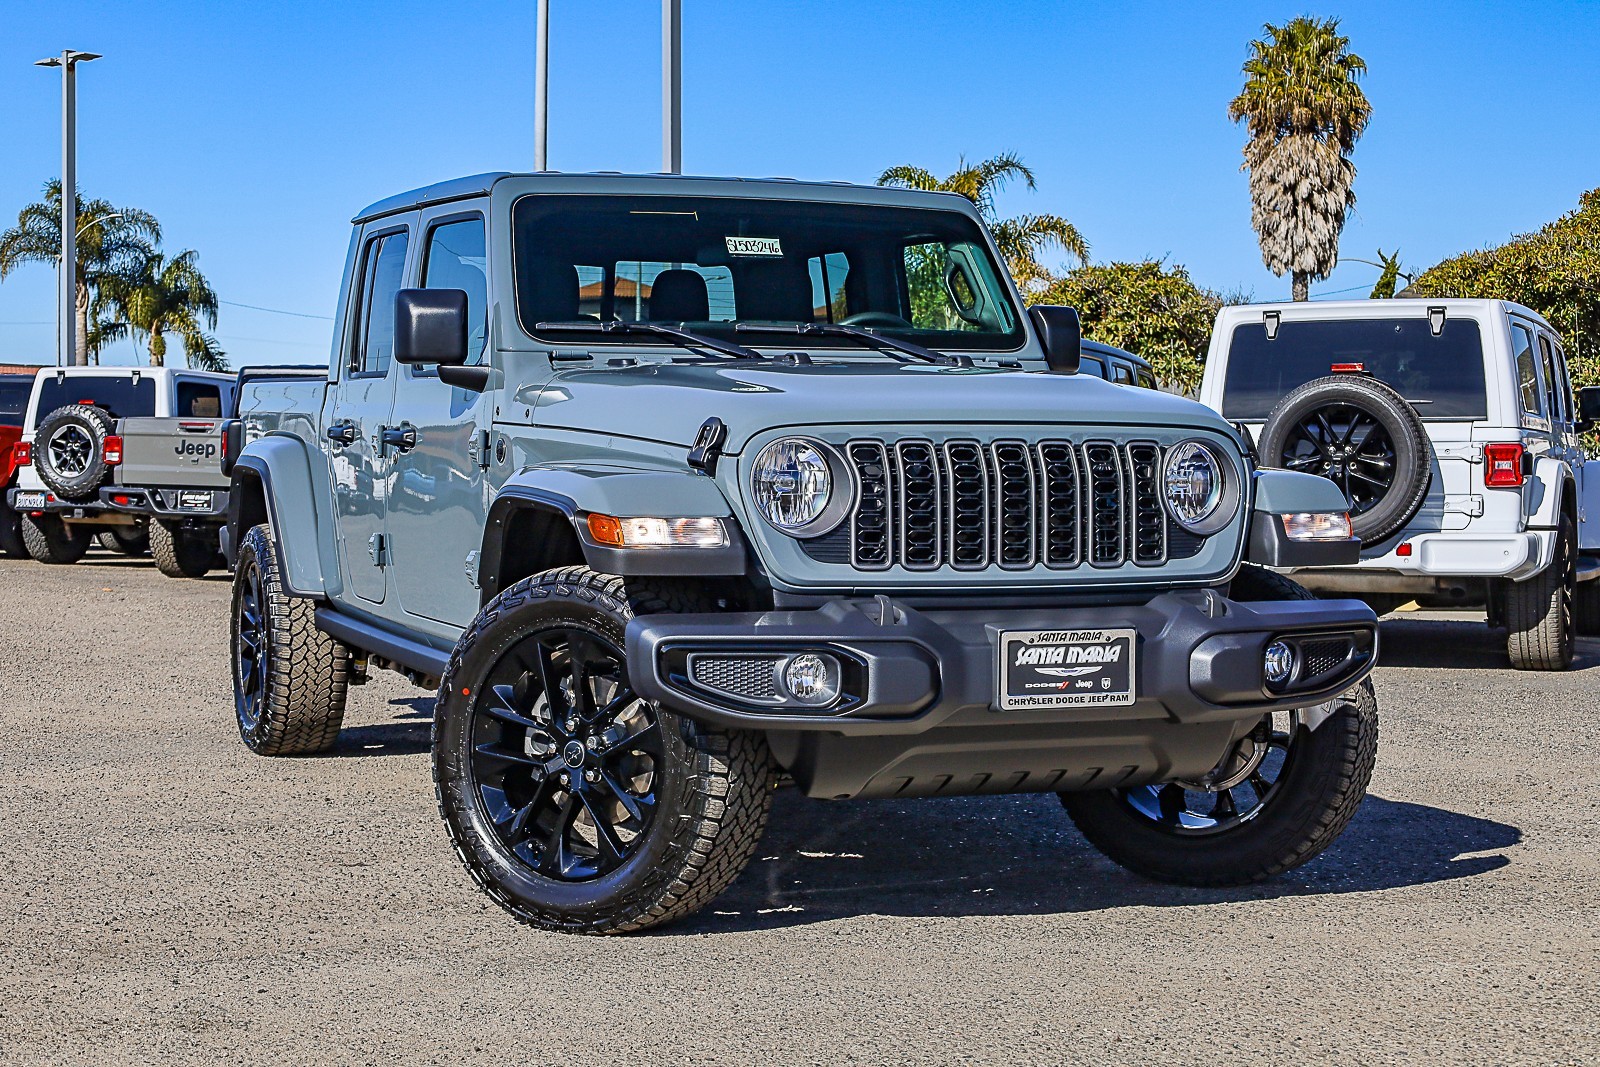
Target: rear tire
[49,540]
[11,532]
[289,678]
[116,540]
[1539,612]
[179,553]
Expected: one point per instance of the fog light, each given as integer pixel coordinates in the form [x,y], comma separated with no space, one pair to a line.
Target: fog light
[812,679]
[1278,663]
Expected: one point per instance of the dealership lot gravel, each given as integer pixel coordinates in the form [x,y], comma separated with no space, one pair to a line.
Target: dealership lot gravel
[165,896]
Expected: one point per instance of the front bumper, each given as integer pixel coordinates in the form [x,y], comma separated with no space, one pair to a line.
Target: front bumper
[925,718]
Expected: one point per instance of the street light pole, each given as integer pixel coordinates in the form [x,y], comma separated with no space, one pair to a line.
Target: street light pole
[541,89]
[66,309]
[672,86]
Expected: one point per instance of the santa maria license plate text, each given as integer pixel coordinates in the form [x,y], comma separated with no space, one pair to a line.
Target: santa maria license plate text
[1065,668]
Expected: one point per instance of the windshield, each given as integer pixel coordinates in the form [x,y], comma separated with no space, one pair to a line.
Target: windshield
[712,263]
[1441,375]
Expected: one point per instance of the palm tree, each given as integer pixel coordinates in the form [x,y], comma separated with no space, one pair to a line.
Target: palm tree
[1019,239]
[159,297]
[1304,113]
[110,241]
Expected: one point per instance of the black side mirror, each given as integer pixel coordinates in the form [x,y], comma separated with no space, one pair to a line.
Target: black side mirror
[430,326]
[1588,407]
[1060,334]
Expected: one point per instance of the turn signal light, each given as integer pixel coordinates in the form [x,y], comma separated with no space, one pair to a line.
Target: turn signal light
[1503,465]
[24,453]
[113,450]
[657,533]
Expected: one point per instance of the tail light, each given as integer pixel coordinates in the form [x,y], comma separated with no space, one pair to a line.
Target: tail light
[112,450]
[24,453]
[1503,465]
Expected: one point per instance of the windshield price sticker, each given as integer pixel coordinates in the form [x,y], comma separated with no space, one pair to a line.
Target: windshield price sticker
[1066,668]
[764,247]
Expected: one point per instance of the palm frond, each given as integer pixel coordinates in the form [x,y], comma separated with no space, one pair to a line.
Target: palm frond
[909,177]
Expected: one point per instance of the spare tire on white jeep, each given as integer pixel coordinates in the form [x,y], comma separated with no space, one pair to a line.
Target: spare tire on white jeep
[69,450]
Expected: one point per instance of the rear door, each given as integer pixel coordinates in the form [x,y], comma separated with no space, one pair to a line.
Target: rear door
[359,408]
[437,501]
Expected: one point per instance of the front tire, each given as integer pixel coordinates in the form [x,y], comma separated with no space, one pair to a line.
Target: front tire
[1281,795]
[1539,611]
[49,540]
[179,553]
[289,678]
[577,806]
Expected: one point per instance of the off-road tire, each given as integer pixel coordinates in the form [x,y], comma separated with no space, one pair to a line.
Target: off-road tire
[1539,612]
[1323,783]
[49,540]
[1413,461]
[96,424]
[11,543]
[178,553]
[124,544]
[711,803]
[305,672]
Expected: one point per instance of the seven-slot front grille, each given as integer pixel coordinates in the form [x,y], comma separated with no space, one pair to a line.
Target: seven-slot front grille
[1016,505]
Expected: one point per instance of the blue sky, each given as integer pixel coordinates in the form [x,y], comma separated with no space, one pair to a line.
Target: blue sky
[255,131]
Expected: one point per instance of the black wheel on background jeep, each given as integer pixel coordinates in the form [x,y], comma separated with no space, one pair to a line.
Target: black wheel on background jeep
[1365,437]
[289,678]
[124,540]
[1279,796]
[49,540]
[576,805]
[69,450]
[1539,612]
[180,553]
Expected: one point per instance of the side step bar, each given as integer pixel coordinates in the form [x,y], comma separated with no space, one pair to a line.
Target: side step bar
[415,655]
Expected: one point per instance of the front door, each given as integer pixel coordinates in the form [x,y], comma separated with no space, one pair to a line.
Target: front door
[357,468]
[438,503]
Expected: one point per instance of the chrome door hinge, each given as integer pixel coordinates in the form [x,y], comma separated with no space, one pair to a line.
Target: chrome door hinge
[378,549]
[472,568]
[478,449]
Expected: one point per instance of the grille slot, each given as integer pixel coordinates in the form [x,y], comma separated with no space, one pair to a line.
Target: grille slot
[970,504]
[1322,657]
[751,677]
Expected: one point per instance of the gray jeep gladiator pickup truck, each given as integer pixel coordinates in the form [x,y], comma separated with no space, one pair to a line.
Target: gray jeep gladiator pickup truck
[678,489]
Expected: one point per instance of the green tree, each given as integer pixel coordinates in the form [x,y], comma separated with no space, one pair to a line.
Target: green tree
[1554,270]
[1148,308]
[159,297]
[110,242]
[1389,280]
[1022,239]
[1304,113]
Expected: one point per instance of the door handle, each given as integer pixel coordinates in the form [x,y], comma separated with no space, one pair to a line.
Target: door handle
[343,433]
[400,438]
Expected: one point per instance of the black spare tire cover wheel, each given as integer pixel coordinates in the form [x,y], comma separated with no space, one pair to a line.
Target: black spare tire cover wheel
[1365,437]
[69,450]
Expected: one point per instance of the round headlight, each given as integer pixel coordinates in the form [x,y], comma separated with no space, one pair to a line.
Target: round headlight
[1195,482]
[793,482]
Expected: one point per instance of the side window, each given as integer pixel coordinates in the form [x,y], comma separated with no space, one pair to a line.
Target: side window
[457,258]
[672,292]
[199,400]
[1147,380]
[1554,401]
[383,270]
[1566,383]
[1121,374]
[931,304]
[829,302]
[1091,365]
[1527,370]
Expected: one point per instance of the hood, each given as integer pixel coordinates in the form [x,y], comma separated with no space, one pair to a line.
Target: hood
[667,402]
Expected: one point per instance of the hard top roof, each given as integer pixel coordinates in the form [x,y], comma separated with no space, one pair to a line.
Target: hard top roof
[635,184]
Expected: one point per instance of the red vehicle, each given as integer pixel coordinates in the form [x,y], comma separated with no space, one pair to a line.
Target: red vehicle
[14,390]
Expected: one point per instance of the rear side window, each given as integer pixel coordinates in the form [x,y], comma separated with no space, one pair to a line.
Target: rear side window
[1527,365]
[1552,381]
[383,270]
[198,400]
[1442,376]
[124,398]
[14,400]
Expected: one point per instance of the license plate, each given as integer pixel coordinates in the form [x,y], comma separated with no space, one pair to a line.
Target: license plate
[26,501]
[194,501]
[1065,668]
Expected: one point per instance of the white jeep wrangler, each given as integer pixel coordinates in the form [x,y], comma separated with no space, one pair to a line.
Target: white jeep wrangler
[1453,429]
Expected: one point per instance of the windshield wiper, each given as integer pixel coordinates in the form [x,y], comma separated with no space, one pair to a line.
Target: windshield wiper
[869,338]
[688,338]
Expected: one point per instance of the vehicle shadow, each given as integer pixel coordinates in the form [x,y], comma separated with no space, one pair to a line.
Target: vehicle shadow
[1022,856]
[407,735]
[1457,643]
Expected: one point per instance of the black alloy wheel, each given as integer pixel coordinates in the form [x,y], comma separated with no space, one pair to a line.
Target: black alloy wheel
[1232,793]
[249,649]
[1349,447]
[566,757]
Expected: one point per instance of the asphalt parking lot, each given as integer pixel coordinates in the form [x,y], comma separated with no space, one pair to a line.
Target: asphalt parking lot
[167,896]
